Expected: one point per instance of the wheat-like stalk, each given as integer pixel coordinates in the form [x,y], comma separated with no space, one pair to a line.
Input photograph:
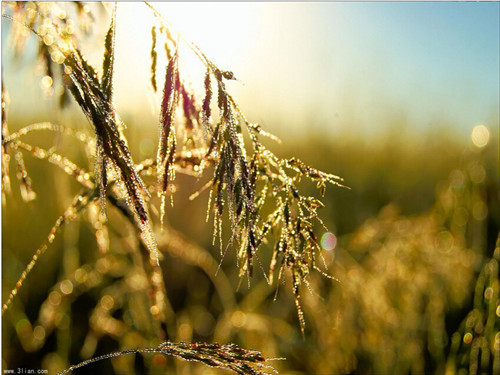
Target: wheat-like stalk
[208,136]
[230,357]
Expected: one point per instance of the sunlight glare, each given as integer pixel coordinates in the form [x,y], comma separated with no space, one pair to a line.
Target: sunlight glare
[221,30]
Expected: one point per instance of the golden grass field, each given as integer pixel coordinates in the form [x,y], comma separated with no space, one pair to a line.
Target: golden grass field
[396,273]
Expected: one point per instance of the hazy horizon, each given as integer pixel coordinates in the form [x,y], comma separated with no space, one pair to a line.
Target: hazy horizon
[321,66]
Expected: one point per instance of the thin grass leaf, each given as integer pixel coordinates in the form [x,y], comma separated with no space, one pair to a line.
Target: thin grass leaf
[191,112]
[109,58]
[207,112]
[169,101]
[167,143]
[46,126]
[154,58]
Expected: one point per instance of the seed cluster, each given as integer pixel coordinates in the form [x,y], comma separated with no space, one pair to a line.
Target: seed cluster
[250,187]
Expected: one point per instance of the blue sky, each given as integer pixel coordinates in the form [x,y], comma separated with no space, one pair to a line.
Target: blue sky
[431,62]
[331,65]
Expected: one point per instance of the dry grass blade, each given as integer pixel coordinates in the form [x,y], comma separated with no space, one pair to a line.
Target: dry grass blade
[154,58]
[109,58]
[111,145]
[167,143]
[207,112]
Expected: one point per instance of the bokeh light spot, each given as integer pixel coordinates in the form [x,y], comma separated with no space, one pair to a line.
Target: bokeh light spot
[480,136]
[204,323]
[39,333]
[66,287]
[55,298]
[185,331]
[477,174]
[155,310]
[47,82]
[468,338]
[107,302]
[479,210]
[159,360]
[328,241]
[239,318]
[147,147]
[81,275]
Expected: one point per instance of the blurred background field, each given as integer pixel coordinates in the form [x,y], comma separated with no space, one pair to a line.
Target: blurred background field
[413,242]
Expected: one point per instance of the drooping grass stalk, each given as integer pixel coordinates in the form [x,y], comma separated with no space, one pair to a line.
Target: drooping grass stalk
[236,186]
[82,137]
[245,176]
[230,357]
[62,162]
